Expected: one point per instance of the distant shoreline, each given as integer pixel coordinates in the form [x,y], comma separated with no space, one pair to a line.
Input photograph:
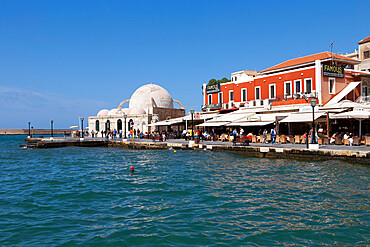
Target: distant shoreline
[35,131]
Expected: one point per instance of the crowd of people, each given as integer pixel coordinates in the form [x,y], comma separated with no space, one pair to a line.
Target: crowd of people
[263,136]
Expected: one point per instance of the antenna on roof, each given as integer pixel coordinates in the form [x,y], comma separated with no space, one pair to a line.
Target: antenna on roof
[331,51]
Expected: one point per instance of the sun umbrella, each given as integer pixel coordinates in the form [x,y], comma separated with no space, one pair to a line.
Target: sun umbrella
[359,114]
[74,127]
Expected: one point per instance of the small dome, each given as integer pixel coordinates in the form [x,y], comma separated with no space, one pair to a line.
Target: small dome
[103,113]
[142,97]
[126,110]
[137,111]
[112,112]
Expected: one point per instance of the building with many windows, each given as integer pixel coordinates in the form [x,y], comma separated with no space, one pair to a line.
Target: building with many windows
[326,77]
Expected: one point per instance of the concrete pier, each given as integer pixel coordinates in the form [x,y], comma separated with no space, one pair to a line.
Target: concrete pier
[291,151]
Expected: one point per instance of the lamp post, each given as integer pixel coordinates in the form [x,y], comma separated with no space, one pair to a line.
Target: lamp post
[125,117]
[51,128]
[32,132]
[82,127]
[313,137]
[29,128]
[192,124]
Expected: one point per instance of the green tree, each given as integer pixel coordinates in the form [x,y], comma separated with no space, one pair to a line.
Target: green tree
[224,80]
[212,81]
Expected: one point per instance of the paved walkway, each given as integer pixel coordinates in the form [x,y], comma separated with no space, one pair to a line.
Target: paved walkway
[296,146]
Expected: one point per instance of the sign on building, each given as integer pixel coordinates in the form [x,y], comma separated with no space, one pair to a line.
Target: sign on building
[215,88]
[332,70]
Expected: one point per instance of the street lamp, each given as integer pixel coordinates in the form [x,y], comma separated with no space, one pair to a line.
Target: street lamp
[82,127]
[125,117]
[51,128]
[192,124]
[32,132]
[313,137]
[29,128]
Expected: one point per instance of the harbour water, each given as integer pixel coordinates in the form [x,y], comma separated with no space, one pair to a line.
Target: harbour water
[87,196]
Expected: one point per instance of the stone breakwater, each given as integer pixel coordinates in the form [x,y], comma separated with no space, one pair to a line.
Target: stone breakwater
[362,157]
[35,131]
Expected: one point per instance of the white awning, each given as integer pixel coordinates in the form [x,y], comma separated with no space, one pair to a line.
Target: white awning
[212,124]
[301,117]
[256,123]
[356,114]
[271,117]
[343,93]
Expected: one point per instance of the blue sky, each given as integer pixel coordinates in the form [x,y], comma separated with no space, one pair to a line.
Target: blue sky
[64,59]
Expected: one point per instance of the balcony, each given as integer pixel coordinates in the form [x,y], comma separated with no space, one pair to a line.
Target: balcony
[211,106]
[298,98]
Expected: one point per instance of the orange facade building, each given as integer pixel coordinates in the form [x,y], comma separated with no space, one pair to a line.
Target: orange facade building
[325,76]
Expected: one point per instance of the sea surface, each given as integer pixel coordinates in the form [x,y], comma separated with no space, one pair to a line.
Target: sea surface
[88,197]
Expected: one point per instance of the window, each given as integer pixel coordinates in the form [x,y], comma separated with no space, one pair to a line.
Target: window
[258,93]
[231,95]
[272,91]
[366,54]
[288,89]
[331,86]
[308,85]
[220,98]
[209,99]
[297,86]
[244,95]
[97,125]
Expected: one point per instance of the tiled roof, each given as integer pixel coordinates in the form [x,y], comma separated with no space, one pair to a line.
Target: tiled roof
[310,58]
[367,39]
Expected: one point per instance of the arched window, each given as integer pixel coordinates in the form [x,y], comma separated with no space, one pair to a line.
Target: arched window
[130,124]
[108,125]
[119,124]
[97,125]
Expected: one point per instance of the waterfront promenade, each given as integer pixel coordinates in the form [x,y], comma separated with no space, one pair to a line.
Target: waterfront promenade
[360,154]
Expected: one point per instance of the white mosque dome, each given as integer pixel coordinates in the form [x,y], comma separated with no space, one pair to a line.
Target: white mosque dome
[142,97]
[113,112]
[103,113]
[137,111]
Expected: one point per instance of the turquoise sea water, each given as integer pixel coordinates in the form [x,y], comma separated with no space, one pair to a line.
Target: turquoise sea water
[86,196]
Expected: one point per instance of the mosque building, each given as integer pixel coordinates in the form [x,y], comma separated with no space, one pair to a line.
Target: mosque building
[148,104]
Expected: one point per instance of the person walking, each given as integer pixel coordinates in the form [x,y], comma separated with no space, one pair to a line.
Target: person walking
[273,136]
[235,133]
[265,136]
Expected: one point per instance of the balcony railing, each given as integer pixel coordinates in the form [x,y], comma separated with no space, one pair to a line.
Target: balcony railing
[296,96]
[211,106]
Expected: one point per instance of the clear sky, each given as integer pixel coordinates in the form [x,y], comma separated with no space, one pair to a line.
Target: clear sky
[64,59]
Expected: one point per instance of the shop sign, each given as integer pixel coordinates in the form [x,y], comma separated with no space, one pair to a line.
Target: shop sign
[215,88]
[254,118]
[332,70]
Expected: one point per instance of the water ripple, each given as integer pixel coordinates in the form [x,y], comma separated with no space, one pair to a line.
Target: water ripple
[86,196]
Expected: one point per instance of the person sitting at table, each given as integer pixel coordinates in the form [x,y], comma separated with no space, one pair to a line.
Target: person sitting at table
[334,136]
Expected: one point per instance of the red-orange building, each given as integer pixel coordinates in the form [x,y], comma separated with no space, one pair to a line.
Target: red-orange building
[324,76]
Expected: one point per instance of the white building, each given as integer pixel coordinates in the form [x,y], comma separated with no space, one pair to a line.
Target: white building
[148,104]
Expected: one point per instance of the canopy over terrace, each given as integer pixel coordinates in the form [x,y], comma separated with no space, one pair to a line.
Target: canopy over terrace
[184,120]
[358,113]
[224,119]
[301,117]
[258,119]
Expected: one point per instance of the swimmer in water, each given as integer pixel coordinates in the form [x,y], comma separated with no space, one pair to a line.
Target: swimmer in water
[132,170]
